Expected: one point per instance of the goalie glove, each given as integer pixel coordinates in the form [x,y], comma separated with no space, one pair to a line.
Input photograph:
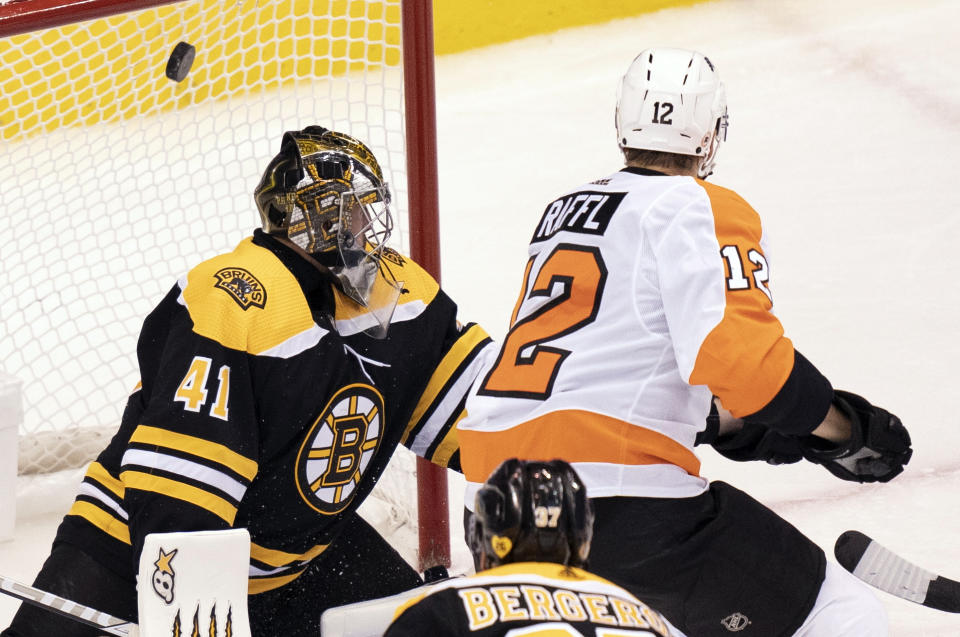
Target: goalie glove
[878,448]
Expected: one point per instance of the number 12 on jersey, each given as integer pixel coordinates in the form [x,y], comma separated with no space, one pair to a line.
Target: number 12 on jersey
[737,279]
[571,278]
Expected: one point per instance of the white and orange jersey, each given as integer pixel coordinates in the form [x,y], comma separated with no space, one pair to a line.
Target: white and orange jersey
[644,295]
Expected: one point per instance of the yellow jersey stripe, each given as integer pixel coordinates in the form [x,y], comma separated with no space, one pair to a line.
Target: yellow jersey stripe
[99,518]
[402,608]
[264,584]
[277,558]
[188,493]
[449,445]
[103,477]
[198,447]
[466,344]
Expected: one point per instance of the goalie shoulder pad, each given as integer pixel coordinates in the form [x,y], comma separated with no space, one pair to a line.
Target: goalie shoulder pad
[246,300]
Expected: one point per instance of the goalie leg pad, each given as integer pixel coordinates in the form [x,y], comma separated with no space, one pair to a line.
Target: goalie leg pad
[194,583]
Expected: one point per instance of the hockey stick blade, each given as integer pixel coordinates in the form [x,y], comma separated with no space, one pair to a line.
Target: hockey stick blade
[72,610]
[884,569]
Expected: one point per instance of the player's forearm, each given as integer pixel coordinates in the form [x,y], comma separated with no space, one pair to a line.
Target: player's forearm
[729,424]
[835,427]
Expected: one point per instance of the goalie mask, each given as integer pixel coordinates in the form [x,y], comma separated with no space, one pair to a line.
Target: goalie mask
[531,512]
[325,192]
[672,100]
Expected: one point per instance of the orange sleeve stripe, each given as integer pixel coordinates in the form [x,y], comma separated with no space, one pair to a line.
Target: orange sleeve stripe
[575,436]
[746,359]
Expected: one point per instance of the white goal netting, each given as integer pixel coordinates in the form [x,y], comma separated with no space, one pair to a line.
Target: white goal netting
[115,180]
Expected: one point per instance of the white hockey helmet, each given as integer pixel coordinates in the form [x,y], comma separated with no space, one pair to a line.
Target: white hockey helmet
[672,100]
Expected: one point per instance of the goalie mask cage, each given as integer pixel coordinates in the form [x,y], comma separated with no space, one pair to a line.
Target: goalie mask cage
[115,180]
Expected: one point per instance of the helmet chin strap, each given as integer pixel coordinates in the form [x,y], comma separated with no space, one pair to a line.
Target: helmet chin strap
[707,162]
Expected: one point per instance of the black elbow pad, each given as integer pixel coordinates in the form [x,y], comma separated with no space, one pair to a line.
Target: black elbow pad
[801,404]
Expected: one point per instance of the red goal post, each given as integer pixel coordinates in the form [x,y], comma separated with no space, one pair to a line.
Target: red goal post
[99,218]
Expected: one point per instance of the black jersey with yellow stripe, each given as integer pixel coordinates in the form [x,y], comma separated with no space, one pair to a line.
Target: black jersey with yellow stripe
[528,598]
[264,404]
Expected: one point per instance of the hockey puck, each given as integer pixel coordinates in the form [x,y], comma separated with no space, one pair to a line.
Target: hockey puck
[181,59]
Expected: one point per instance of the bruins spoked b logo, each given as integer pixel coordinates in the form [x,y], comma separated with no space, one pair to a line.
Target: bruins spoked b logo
[339,448]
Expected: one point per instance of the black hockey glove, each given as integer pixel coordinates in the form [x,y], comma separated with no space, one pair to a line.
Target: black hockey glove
[757,442]
[878,448]
[752,442]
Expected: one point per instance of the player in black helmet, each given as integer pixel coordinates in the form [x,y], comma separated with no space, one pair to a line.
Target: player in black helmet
[276,382]
[530,537]
[537,510]
[325,192]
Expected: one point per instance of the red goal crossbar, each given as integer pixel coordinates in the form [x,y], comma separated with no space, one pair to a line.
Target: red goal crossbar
[23,16]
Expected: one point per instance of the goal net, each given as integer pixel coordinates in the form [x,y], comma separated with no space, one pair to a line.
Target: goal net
[115,180]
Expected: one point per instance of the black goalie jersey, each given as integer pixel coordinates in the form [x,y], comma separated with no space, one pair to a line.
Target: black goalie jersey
[527,598]
[263,404]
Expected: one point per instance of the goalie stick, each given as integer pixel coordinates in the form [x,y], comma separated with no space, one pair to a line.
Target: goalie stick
[83,614]
[884,569]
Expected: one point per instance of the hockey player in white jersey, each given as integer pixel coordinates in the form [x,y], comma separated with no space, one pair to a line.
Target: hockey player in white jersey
[646,304]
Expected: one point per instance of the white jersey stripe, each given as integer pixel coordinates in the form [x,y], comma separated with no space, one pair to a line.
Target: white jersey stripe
[608,480]
[450,402]
[185,468]
[89,490]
